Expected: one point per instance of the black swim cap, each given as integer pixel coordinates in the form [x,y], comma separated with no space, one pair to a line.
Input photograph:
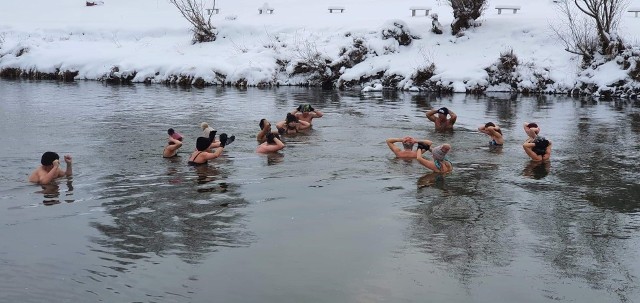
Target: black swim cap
[202,143]
[271,138]
[171,131]
[261,124]
[48,158]
[489,124]
[531,125]
[443,110]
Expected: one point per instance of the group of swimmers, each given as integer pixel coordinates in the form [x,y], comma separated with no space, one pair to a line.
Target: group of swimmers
[536,147]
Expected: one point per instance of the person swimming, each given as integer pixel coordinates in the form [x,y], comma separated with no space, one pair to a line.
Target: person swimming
[50,168]
[291,125]
[407,144]
[440,163]
[202,155]
[272,144]
[538,149]
[306,113]
[174,142]
[494,132]
[441,121]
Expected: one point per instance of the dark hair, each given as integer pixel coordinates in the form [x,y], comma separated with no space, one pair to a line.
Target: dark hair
[489,124]
[171,131]
[48,158]
[202,143]
[531,125]
[291,118]
[443,110]
[212,136]
[261,124]
[271,138]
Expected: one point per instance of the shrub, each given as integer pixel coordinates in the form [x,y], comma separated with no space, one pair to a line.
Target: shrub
[399,31]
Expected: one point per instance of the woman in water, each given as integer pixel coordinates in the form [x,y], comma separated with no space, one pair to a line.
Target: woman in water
[494,132]
[538,149]
[440,163]
[291,125]
[272,144]
[201,155]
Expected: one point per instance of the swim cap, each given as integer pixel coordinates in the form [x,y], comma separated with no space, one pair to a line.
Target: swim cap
[204,125]
[202,143]
[48,158]
[489,124]
[443,110]
[439,153]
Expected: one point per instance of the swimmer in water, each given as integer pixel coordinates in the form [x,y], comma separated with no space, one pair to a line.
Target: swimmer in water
[407,143]
[494,132]
[265,128]
[291,125]
[50,168]
[538,149]
[306,113]
[441,121]
[532,130]
[272,144]
[202,155]
[174,142]
[440,163]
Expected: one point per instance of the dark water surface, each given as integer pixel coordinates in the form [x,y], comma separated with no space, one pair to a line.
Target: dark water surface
[332,218]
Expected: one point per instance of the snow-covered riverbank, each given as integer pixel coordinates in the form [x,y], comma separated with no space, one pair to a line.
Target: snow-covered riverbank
[149,41]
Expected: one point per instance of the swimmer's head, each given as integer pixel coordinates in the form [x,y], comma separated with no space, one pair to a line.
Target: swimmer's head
[446,148]
[204,125]
[532,125]
[262,123]
[271,138]
[48,158]
[440,152]
[171,132]
[202,143]
[443,111]
[291,118]
[541,142]
[488,124]
[408,143]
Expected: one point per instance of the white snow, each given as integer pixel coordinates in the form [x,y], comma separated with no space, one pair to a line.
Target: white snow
[151,38]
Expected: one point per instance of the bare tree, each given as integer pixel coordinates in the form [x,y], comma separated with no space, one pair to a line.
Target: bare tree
[194,12]
[465,12]
[606,15]
[576,32]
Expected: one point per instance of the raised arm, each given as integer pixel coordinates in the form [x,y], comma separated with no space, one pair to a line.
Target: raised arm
[532,132]
[303,125]
[391,144]
[547,153]
[453,118]
[431,115]
[317,114]
[69,161]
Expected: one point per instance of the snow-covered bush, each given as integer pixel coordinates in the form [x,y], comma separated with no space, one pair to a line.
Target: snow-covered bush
[423,74]
[310,62]
[194,12]
[465,12]
[399,31]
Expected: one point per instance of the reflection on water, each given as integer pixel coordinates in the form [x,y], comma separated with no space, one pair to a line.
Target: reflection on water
[51,192]
[339,220]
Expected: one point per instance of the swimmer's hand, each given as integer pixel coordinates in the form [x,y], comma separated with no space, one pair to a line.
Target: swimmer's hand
[56,163]
[422,146]
[67,159]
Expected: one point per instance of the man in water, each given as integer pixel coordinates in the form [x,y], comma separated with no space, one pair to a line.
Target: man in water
[272,144]
[291,125]
[50,168]
[538,149]
[174,142]
[441,121]
[265,128]
[407,144]
[306,113]
[494,132]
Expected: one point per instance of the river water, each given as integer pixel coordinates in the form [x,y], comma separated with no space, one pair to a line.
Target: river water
[332,218]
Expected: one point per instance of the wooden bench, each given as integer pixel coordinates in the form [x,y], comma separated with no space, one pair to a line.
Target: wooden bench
[634,10]
[513,7]
[413,9]
[212,11]
[335,8]
[265,9]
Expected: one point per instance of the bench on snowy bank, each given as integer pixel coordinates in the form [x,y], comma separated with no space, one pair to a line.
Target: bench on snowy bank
[413,10]
[211,11]
[515,8]
[335,8]
[265,8]
[634,10]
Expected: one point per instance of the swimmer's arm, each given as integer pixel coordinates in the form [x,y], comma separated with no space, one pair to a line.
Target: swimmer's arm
[547,153]
[483,129]
[69,162]
[453,118]
[317,114]
[303,124]
[431,115]
[531,132]
[215,154]
[392,146]
[425,141]
[52,174]
[279,143]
